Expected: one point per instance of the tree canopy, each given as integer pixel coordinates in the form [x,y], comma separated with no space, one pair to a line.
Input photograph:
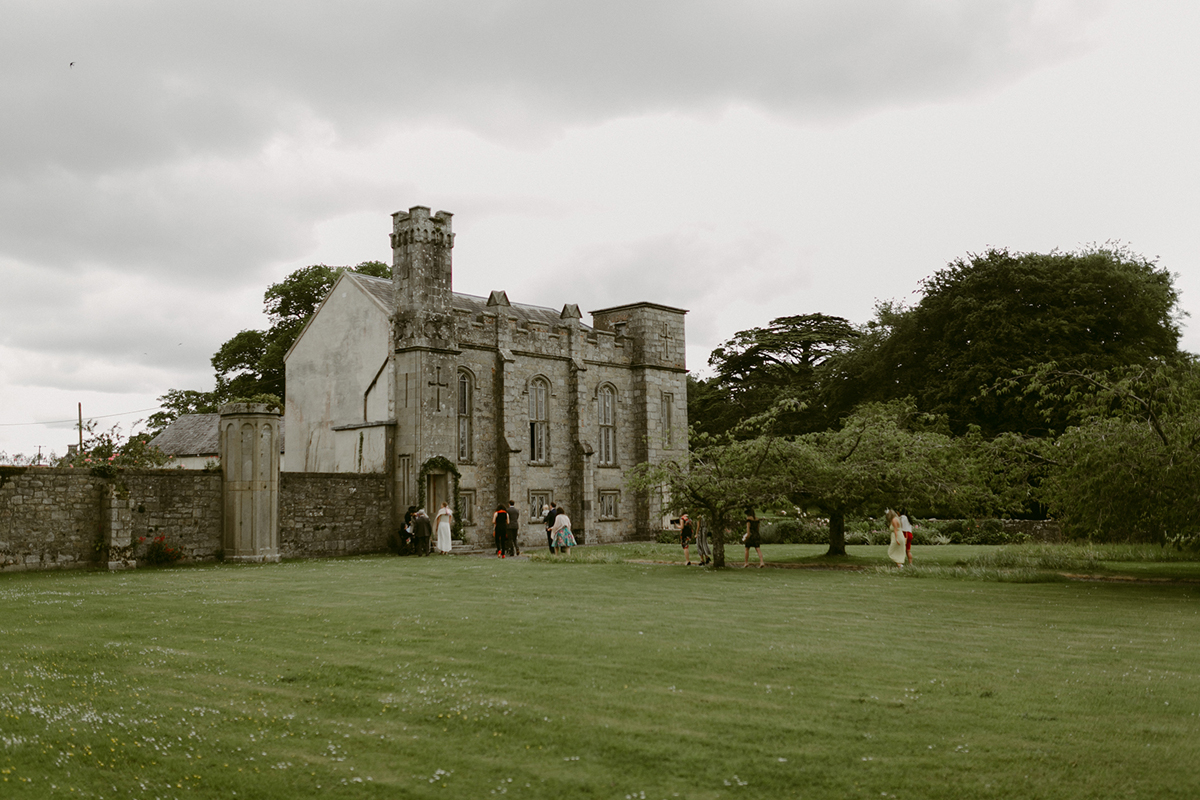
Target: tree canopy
[759,366]
[251,362]
[986,317]
[884,455]
[716,480]
[1130,467]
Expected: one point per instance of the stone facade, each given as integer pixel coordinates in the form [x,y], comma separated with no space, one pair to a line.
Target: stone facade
[526,403]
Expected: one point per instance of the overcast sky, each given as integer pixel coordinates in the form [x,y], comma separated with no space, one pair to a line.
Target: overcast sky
[741,160]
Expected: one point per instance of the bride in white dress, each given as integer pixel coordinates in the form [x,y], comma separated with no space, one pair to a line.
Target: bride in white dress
[442,525]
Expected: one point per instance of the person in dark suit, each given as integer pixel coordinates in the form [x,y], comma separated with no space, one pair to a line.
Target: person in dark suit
[511,548]
[406,533]
[422,532]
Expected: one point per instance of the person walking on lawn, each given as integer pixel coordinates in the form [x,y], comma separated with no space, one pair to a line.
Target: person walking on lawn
[687,535]
[752,538]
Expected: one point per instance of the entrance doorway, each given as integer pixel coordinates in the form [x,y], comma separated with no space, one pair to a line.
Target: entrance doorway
[437,491]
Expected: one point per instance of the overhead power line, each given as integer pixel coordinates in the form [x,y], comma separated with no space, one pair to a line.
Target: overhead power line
[76,420]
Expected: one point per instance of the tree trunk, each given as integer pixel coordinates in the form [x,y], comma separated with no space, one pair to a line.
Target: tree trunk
[717,540]
[837,533]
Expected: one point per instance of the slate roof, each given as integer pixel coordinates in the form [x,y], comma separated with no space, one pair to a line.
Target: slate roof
[196,435]
[381,290]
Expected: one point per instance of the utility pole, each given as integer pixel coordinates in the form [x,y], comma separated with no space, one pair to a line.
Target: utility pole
[81,428]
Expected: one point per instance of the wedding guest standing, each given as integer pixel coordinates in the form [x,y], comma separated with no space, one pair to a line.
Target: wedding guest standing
[563,538]
[442,522]
[500,528]
[511,548]
[422,531]
[548,518]
[687,535]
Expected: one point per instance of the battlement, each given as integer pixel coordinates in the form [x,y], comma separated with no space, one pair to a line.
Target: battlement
[422,267]
[417,226]
[656,332]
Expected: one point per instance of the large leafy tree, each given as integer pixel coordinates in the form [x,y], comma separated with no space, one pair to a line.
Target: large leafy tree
[1129,470]
[885,454]
[759,366]
[986,317]
[251,363]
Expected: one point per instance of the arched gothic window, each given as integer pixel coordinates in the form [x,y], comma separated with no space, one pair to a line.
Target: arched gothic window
[606,401]
[465,409]
[539,416]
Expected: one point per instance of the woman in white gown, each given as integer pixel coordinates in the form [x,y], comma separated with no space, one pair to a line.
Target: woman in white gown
[896,543]
[442,525]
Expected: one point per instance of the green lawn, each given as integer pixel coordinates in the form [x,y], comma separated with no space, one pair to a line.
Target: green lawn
[468,676]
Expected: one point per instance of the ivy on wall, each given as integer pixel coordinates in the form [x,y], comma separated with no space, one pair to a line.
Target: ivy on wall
[440,464]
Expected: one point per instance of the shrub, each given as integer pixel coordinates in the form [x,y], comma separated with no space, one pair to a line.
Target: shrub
[1185,542]
[667,536]
[807,530]
[159,553]
[971,531]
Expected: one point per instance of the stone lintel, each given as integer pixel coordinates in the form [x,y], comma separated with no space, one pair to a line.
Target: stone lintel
[418,348]
[381,423]
[659,367]
[631,306]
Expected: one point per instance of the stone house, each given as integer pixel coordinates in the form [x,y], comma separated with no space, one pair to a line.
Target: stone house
[477,401]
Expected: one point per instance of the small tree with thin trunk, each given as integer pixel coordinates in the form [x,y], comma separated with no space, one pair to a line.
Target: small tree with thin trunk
[716,481]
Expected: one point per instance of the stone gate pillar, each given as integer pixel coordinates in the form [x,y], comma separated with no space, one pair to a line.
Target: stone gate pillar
[249,442]
[116,523]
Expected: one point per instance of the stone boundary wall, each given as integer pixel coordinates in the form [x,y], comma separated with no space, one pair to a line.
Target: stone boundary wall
[60,518]
[324,514]
[49,518]
[182,505]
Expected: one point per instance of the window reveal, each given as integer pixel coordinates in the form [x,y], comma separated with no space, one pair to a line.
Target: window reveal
[538,421]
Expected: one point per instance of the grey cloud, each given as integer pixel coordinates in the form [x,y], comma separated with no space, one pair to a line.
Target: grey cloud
[157,81]
[148,154]
[114,329]
[190,222]
[688,268]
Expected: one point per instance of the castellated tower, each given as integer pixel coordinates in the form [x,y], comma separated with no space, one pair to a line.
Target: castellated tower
[425,350]
[422,271]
